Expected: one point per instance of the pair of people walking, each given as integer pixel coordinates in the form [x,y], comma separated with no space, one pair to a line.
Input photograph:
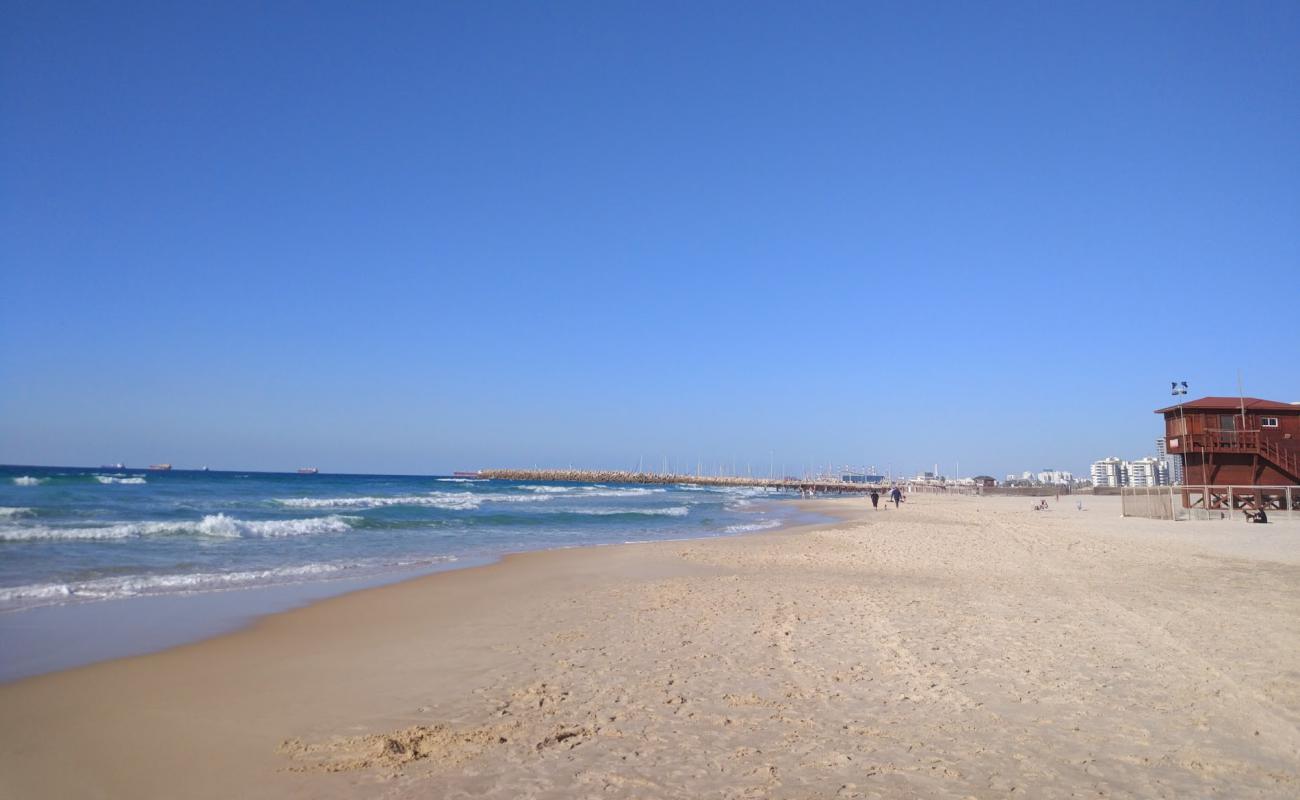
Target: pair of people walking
[894,494]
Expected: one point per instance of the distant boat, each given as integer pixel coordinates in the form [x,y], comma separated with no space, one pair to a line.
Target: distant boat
[307,470]
[160,467]
[118,465]
[205,468]
[464,474]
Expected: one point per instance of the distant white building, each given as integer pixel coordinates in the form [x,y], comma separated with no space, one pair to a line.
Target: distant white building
[1047,477]
[1056,477]
[1110,472]
[1141,472]
[1147,472]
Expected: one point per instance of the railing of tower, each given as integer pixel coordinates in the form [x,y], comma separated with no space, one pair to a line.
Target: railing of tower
[1226,439]
[1226,502]
[1245,441]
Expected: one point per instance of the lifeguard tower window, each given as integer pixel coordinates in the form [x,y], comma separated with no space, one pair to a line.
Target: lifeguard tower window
[1268,422]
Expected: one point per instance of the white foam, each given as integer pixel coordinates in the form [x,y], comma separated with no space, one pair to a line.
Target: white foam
[36,591]
[20,534]
[448,500]
[752,526]
[599,490]
[221,525]
[28,480]
[737,491]
[134,480]
[603,491]
[216,525]
[463,480]
[748,491]
[6,511]
[452,501]
[674,511]
[134,585]
[515,498]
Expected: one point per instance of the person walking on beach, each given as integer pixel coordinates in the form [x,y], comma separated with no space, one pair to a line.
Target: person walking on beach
[875,498]
[896,496]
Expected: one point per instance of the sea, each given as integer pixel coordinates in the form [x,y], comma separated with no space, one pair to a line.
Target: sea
[225,547]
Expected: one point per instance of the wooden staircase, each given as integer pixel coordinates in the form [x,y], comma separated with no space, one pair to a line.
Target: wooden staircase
[1227,441]
[1284,460]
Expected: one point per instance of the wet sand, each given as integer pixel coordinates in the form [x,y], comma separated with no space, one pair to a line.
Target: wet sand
[958,647]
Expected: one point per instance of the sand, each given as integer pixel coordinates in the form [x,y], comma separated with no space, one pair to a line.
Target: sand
[958,647]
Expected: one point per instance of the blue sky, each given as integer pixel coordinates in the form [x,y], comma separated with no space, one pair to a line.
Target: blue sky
[418,237]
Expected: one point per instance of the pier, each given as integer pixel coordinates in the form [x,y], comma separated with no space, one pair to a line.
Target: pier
[801,485]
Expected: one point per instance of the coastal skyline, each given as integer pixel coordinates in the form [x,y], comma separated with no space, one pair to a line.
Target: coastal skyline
[499,235]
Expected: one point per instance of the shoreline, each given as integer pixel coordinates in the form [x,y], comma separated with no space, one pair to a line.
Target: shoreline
[794,661]
[53,638]
[87,632]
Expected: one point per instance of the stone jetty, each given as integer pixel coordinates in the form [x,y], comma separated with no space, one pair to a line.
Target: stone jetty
[622,476]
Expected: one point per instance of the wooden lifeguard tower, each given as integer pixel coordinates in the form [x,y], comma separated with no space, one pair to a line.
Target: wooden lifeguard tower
[1238,452]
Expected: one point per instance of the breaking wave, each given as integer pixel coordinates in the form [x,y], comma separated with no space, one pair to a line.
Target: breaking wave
[28,480]
[134,585]
[749,491]
[674,511]
[603,491]
[134,480]
[452,501]
[448,500]
[6,511]
[591,491]
[215,525]
[753,526]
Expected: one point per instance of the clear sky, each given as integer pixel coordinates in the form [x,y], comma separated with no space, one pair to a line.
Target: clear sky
[418,237]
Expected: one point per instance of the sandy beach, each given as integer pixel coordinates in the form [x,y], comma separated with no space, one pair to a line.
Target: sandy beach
[958,647]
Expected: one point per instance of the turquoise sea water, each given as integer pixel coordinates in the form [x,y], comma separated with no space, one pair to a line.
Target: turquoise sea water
[77,535]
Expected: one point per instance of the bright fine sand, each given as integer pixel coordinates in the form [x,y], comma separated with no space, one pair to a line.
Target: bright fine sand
[958,647]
